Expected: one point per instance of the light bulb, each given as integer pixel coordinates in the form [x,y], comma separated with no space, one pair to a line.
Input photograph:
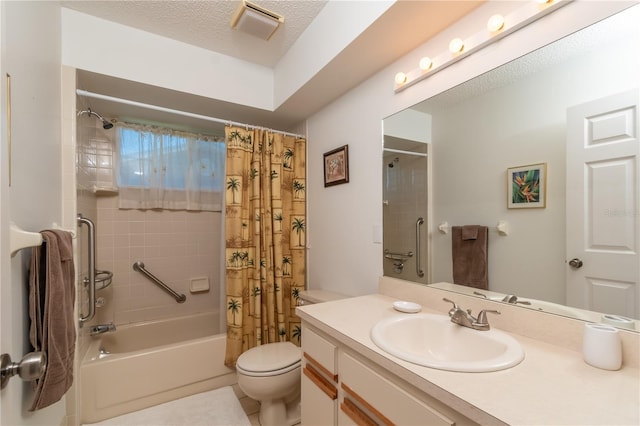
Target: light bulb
[401,78]
[456,45]
[495,23]
[425,63]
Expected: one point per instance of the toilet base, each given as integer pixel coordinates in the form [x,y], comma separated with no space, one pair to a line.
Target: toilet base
[277,413]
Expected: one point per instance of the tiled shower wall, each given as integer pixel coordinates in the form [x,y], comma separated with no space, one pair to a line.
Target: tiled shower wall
[405,195]
[175,246]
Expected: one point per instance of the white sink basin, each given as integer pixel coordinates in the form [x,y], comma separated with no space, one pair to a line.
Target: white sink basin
[434,341]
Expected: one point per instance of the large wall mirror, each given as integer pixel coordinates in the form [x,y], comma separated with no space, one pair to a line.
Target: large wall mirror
[572,107]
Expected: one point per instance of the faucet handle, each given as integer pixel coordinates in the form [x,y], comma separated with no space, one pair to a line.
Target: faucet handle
[482,316]
[454,308]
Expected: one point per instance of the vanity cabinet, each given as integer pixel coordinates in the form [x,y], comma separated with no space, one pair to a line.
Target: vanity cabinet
[351,390]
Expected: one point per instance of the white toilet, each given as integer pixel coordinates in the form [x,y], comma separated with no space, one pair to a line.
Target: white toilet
[270,373]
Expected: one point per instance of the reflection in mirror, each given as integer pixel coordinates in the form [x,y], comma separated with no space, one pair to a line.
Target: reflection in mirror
[516,115]
[404,170]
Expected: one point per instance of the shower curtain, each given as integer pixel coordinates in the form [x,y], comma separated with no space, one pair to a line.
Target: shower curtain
[265,237]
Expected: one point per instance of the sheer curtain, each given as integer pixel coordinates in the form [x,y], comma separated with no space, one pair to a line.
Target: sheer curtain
[160,168]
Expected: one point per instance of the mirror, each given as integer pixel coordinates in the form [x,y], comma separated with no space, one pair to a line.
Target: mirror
[516,115]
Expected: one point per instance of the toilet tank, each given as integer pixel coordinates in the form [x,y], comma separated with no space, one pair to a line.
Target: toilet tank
[309,297]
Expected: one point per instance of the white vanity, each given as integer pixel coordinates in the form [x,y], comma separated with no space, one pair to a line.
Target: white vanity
[347,379]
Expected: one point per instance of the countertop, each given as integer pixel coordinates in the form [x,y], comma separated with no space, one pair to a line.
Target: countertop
[551,386]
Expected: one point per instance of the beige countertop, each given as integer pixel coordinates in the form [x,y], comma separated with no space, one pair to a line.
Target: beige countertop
[551,386]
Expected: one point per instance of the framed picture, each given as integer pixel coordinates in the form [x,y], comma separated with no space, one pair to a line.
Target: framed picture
[336,166]
[527,186]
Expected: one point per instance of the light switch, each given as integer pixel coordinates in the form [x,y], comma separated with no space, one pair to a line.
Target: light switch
[377,234]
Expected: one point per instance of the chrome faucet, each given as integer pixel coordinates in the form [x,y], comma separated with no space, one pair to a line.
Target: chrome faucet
[465,319]
[102,328]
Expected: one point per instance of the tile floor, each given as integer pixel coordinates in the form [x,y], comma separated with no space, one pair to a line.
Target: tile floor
[251,407]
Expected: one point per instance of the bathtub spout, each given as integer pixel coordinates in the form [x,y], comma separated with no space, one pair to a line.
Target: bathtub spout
[102,328]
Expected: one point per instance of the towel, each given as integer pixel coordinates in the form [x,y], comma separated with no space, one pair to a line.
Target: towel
[470,253]
[51,301]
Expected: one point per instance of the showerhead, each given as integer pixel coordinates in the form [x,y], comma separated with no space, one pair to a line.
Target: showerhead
[391,164]
[105,124]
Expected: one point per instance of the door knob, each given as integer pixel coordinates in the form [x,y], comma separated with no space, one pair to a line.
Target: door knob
[575,263]
[31,367]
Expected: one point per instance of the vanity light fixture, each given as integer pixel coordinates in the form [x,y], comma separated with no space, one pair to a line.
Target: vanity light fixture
[495,23]
[456,45]
[426,63]
[498,26]
[255,20]
[401,78]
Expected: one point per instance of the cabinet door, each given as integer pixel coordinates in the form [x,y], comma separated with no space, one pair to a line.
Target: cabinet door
[381,400]
[319,399]
[319,391]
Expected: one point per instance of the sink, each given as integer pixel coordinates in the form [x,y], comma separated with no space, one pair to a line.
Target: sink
[432,340]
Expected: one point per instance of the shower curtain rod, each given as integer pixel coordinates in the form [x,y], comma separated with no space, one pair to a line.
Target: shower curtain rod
[400,151]
[88,94]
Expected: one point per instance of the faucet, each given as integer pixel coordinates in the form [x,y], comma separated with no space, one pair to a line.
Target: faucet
[465,319]
[513,299]
[102,328]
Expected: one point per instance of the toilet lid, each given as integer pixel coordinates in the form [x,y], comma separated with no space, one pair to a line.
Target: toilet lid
[269,357]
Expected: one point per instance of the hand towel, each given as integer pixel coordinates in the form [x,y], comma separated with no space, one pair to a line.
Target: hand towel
[470,251]
[51,301]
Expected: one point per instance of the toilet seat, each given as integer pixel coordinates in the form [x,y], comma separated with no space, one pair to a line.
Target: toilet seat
[269,360]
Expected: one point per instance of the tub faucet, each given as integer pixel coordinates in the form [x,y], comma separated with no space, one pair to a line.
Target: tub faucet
[102,328]
[465,319]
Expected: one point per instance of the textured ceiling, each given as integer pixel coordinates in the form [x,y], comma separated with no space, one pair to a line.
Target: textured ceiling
[207,24]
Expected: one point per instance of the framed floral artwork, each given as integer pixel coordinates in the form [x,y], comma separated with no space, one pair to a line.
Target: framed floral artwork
[336,166]
[527,186]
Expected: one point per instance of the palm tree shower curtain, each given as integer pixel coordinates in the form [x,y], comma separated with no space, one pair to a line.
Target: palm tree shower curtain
[265,237]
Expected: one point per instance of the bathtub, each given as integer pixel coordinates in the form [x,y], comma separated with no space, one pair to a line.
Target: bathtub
[146,364]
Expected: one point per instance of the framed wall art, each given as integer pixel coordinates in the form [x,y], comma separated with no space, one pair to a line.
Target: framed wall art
[336,166]
[527,186]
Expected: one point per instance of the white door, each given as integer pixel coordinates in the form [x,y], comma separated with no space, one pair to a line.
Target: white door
[603,210]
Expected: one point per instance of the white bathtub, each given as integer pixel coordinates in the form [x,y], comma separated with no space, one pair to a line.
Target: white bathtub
[151,363]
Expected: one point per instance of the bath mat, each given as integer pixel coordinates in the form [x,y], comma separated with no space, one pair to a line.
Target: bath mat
[218,407]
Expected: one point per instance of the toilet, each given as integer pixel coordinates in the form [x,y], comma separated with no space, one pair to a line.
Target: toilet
[270,373]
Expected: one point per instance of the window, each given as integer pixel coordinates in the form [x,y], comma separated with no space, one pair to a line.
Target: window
[169,169]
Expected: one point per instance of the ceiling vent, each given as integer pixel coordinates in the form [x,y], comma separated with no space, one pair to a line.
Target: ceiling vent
[255,20]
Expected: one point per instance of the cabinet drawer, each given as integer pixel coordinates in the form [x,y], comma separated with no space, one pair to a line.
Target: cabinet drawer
[320,352]
[383,398]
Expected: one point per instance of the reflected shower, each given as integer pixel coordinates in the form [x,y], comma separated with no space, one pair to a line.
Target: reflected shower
[394,162]
[105,124]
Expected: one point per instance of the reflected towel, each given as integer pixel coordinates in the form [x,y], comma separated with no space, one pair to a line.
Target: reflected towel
[470,254]
[51,300]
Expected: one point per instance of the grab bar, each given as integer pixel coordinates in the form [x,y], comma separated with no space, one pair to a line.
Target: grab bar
[92,268]
[139,266]
[419,270]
